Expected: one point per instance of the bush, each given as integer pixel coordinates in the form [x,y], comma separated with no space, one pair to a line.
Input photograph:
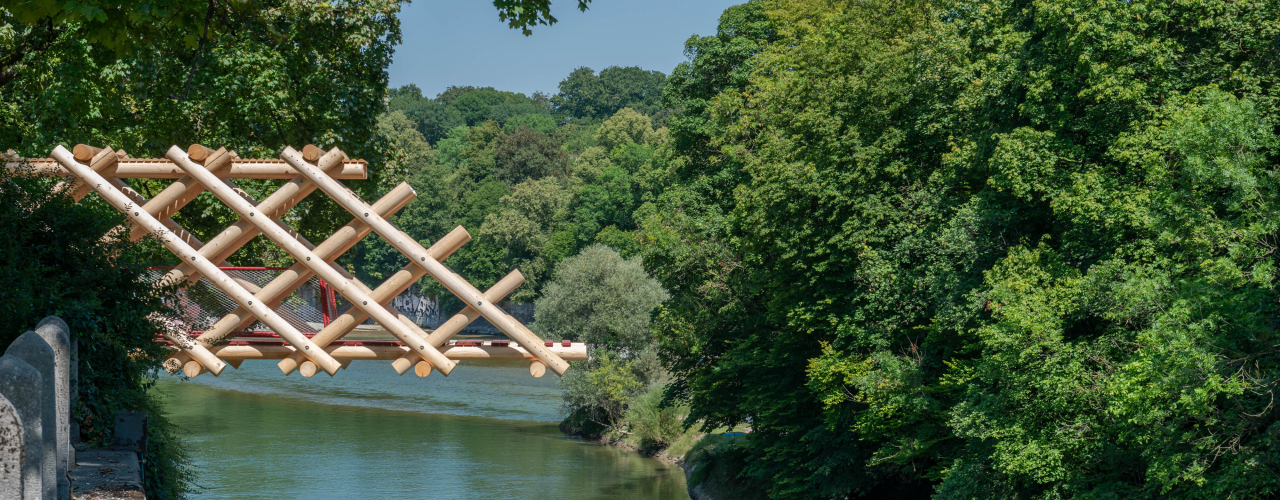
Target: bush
[656,426]
[601,299]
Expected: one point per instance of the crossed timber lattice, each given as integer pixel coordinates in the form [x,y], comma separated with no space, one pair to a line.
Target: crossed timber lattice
[199,169]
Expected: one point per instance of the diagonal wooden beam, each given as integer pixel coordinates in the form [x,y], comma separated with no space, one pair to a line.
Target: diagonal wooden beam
[297,275]
[237,235]
[358,296]
[101,160]
[441,335]
[182,191]
[185,252]
[418,255]
[388,290]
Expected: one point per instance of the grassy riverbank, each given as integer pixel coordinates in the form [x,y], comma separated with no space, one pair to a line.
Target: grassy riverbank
[710,459]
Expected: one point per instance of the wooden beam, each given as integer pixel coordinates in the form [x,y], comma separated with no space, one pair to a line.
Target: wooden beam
[311,153]
[162,168]
[104,163]
[185,252]
[410,335]
[441,335]
[418,255]
[199,153]
[83,152]
[575,352]
[289,280]
[395,285]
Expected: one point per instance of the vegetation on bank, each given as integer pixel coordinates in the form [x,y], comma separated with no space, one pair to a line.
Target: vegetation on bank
[978,249]
[55,264]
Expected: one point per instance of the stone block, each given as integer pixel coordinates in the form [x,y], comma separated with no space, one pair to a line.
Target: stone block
[33,349]
[10,451]
[21,385]
[55,332]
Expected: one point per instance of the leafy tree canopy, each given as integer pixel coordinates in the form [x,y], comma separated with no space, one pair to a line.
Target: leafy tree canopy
[978,250]
[583,94]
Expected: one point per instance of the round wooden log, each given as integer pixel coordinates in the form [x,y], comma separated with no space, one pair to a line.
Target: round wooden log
[422,369]
[574,352]
[418,255]
[457,322]
[311,153]
[192,369]
[199,153]
[308,370]
[83,152]
[358,297]
[297,275]
[198,354]
[240,233]
[188,254]
[103,162]
[537,369]
[161,168]
[179,194]
[386,291]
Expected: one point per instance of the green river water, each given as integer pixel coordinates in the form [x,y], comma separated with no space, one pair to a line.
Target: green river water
[485,432]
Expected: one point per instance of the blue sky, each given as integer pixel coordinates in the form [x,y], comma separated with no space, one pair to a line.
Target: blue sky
[461,42]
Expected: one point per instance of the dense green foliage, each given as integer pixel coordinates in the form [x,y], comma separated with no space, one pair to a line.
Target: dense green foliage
[587,95]
[604,300]
[54,264]
[530,188]
[962,249]
[281,73]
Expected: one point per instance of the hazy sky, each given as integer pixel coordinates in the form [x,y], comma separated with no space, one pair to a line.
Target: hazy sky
[461,42]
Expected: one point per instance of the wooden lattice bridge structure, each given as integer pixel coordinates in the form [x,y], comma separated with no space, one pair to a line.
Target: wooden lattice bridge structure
[199,169]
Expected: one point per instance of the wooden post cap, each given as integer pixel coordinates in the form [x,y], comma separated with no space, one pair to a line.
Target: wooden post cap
[537,369]
[422,369]
[192,368]
[83,153]
[311,153]
[198,153]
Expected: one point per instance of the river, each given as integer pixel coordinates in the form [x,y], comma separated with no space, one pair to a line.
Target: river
[485,432]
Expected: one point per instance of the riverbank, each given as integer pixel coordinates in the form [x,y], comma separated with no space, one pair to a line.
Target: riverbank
[698,455]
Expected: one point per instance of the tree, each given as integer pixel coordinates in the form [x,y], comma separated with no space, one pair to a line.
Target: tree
[526,153]
[606,301]
[56,262]
[601,299]
[627,126]
[583,94]
[972,250]
[524,14]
